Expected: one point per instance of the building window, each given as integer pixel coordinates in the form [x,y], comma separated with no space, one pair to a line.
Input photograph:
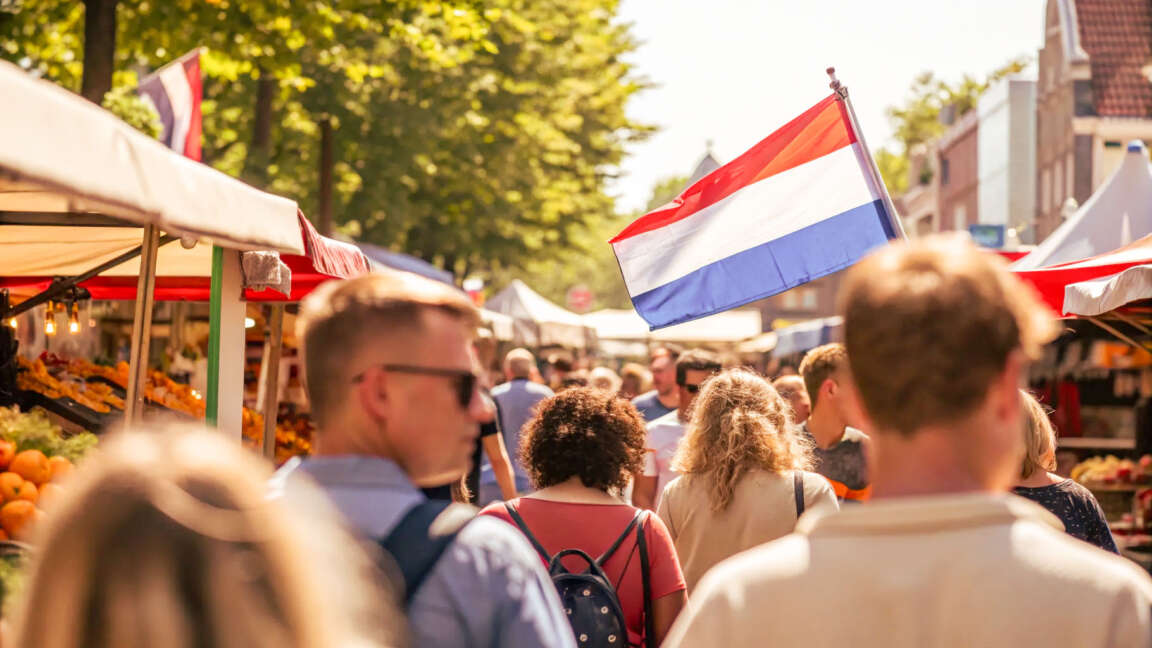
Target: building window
[1070,177]
[809,299]
[1058,183]
[944,171]
[960,218]
[801,298]
[1045,190]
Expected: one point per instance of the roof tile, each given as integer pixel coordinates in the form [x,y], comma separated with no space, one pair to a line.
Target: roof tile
[1117,35]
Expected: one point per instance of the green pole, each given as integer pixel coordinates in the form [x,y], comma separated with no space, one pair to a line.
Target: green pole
[213,397]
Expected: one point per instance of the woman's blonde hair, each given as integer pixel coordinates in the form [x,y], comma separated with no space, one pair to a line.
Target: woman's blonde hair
[169,539]
[739,423]
[1039,438]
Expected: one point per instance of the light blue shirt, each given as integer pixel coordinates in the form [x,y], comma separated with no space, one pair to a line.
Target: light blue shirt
[516,401]
[488,589]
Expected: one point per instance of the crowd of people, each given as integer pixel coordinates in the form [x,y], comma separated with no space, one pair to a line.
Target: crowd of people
[896,492]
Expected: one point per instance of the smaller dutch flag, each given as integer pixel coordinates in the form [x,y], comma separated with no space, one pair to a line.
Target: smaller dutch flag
[175,91]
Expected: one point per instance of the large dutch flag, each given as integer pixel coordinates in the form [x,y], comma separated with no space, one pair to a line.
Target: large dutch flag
[799,205]
[175,91]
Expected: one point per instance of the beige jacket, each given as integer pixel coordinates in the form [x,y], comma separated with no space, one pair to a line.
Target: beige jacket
[923,572]
[763,508]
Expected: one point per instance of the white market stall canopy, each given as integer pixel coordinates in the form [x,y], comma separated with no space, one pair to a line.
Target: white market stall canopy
[727,327]
[1098,296]
[503,327]
[1119,213]
[538,321]
[66,162]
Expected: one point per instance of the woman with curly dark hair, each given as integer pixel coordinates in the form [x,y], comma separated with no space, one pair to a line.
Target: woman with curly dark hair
[580,450]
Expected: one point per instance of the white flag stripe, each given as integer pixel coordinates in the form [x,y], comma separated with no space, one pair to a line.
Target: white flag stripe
[761,212]
[175,81]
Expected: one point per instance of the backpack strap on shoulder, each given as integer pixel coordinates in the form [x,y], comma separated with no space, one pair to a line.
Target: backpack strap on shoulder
[418,541]
[646,578]
[527,534]
[798,487]
[620,540]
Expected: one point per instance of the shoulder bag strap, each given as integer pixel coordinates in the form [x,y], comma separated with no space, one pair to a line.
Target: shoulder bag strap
[646,578]
[414,548]
[527,534]
[798,487]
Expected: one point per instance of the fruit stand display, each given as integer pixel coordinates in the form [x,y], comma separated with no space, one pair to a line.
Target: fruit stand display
[91,395]
[35,459]
[1123,487]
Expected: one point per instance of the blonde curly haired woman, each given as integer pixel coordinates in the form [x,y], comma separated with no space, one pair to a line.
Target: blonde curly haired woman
[744,474]
[167,539]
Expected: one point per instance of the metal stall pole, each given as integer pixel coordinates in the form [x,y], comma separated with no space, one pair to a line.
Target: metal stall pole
[142,326]
[273,343]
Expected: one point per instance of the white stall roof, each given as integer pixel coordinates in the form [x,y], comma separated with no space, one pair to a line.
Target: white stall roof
[554,325]
[65,161]
[1119,213]
[1098,296]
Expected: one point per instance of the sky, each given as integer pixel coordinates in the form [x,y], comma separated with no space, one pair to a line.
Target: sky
[732,71]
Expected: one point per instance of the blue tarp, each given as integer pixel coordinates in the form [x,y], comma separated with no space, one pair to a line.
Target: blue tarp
[405,262]
[806,335]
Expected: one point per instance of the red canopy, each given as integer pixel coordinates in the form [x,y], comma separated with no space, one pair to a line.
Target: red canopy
[1051,280]
[324,259]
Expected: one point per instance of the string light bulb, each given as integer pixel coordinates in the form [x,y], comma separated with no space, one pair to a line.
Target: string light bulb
[74,319]
[12,323]
[50,319]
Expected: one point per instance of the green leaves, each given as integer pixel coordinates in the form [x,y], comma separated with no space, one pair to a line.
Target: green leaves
[475,135]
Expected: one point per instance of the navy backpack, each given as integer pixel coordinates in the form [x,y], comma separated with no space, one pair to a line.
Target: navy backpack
[588,597]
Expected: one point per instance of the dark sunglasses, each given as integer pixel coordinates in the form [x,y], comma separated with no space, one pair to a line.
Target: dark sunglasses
[691,389]
[466,381]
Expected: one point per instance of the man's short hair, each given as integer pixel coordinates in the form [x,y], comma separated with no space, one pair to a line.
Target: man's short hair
[669,350]
[819,364]
[519,363]
[930,324]
[695,360]
[341,318]
[788,385]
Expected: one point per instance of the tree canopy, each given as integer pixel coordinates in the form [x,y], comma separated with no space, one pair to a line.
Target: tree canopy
[917,120]
[478,136]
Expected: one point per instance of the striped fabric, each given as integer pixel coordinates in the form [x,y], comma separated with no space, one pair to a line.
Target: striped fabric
[175,91]
[797,206]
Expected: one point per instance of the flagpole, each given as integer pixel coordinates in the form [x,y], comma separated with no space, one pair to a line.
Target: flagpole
[877,180]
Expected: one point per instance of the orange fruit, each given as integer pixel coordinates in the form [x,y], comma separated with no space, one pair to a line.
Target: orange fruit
[16,518]
[59,467]
[3,535]
[10,484]
[7,451]
[31,465]
[28,491]
[48,493]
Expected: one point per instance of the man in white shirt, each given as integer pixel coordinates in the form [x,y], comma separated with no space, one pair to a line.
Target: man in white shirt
[940,336]
[692,369]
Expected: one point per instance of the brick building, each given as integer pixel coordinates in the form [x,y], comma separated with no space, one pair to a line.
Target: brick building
[1093,95]
[959,175]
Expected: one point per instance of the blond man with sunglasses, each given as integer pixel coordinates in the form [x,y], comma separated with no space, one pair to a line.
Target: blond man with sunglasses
[390,373]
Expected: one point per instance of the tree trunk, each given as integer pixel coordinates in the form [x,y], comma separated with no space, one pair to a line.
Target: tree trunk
[99,48]
[260,150]
[326,164]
